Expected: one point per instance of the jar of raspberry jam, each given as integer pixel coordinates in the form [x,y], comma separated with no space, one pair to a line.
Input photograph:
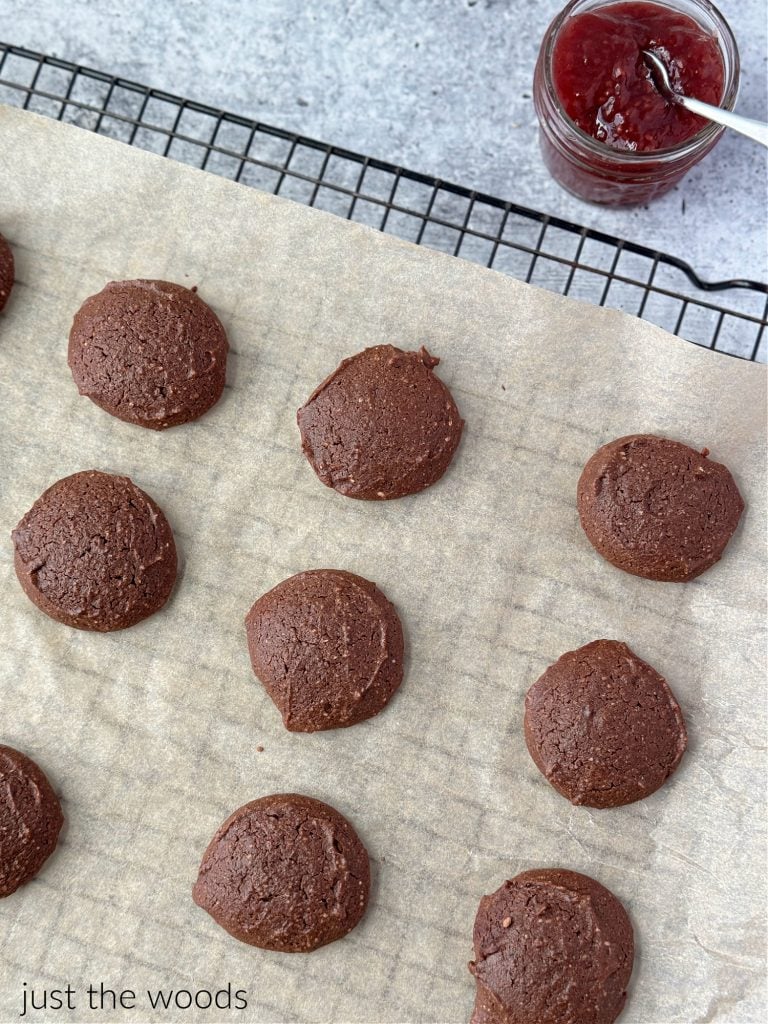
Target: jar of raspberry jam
[607,135]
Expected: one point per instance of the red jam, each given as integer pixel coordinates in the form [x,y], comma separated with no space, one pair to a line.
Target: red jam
[606,133]
[604,86]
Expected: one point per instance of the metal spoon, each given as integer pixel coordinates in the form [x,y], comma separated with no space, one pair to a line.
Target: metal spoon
[754,129]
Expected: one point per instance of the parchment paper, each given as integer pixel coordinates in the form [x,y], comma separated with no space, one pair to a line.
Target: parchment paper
[151,735]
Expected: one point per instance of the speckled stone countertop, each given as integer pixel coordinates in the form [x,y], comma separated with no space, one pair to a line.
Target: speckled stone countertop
[439,86]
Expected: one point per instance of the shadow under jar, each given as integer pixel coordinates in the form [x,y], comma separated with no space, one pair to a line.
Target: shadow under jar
[606,133]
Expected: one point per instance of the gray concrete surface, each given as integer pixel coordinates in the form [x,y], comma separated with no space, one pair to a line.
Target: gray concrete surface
[440,86]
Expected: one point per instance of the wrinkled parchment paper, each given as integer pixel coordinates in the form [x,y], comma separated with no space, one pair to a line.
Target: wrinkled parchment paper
[151,735]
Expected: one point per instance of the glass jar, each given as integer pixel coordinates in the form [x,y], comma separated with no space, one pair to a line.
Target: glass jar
[594,171]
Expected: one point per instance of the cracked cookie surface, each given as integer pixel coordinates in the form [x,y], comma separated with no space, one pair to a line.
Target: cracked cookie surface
[381,426]
[603,727]
[149,352]
[327,646]
[657,508]
[285,872]
[551,947]
[30,819]
[95,552]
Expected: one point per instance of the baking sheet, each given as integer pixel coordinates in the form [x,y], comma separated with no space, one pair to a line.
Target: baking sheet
[151,735]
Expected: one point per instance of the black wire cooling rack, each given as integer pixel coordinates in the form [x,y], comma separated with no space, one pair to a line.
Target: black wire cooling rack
[729,316]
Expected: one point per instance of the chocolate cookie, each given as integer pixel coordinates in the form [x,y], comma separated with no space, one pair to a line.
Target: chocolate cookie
[551,946]
[6,271]
[285,872]
[95,552]
[603,727]
[149,352]
[657,508]
[382,425]
[328,647]
[30,819]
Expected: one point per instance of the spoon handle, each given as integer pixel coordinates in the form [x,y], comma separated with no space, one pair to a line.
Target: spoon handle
[754,129]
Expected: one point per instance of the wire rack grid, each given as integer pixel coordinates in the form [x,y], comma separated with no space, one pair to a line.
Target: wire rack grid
[729,316]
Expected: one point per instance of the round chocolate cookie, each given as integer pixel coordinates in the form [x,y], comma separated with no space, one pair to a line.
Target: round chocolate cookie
[6,271]
[657,508]
[149,352]
[381,426]
[603,727]
[95,552]
[30,819]
[328,647]
[551,946]
[285,872]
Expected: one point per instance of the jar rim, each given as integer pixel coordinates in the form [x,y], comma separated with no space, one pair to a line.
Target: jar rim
[728,48]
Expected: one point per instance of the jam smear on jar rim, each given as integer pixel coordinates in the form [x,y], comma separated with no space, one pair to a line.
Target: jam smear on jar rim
[605,88]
